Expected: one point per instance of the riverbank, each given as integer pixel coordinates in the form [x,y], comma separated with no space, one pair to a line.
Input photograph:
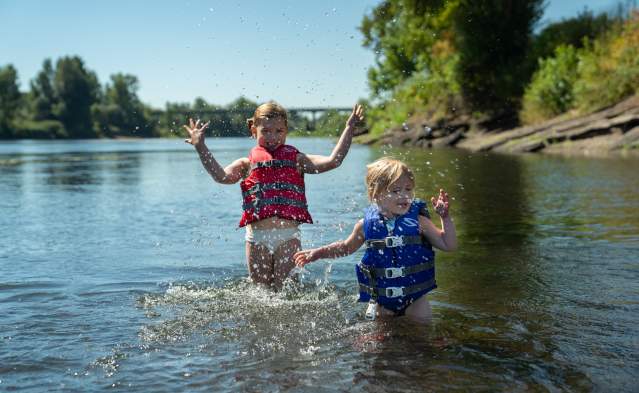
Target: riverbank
[610,131]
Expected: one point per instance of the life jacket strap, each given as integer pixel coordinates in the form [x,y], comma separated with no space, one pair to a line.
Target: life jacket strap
[396,272]
[394,292]
[274,164]
[395,241]
[260,187]
[257,203]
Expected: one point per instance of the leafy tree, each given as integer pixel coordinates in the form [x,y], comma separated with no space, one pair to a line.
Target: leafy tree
[121,112]
[608,67]
[10,99]
[493,38]
[239,110]
[42,95]
[403,35]
[77,89]
[472,48]
[571,31]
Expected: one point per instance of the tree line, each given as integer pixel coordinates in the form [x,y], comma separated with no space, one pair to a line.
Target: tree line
[66,100]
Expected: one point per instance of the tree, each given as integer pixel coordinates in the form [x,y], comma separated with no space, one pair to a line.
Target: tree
[493,38]
[571,31]
[77,89]
[403,35]
[43,96]
[120,111]
[485,43]
[10,98]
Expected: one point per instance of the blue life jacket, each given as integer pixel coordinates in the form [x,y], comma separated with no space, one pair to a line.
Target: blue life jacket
[399,267]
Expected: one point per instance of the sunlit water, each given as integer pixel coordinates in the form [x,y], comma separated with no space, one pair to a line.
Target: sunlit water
[121,269]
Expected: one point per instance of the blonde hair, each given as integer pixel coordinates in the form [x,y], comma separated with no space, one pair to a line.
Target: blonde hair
[384,172]
[268,110]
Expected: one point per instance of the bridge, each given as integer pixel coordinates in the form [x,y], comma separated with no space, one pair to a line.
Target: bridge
[309,113]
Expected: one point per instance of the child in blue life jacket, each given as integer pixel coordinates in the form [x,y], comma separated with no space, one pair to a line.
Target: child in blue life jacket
[398,267]
[272,184]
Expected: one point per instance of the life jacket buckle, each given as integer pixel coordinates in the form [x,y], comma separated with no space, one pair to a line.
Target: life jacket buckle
[394,291]
[394,241]
[393,272]
[371,310]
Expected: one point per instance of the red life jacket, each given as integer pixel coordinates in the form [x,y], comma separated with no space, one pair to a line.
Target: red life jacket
[274,187]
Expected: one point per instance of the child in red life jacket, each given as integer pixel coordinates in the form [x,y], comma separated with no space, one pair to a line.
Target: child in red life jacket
[398,266]
[272,183]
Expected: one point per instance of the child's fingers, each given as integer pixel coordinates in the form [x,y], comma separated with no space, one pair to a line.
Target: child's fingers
[300,261]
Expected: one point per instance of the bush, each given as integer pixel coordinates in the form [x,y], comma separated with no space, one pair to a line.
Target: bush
[609,69]
[550,92]
[438,92]
[603,73]
[41,129]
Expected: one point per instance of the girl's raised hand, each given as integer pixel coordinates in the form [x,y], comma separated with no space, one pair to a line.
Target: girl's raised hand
[304,257]
[196,132]
[441,204]
[357,116]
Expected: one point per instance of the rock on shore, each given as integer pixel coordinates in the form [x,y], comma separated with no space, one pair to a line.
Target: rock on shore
[613,130]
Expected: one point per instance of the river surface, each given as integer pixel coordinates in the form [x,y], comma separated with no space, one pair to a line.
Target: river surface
[121,269]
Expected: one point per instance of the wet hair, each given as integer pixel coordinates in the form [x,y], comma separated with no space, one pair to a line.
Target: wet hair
[384,172]
[268,110]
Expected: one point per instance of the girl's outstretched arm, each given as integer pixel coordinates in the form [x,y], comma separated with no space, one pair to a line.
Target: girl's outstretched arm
[229,175]
[338,249]
[444,239]
[318,164]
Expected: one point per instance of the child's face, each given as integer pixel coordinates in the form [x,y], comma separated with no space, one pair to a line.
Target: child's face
[270,133]
[396,200]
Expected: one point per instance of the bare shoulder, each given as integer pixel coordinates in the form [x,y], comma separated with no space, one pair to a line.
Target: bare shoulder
[301,158]
[243,162]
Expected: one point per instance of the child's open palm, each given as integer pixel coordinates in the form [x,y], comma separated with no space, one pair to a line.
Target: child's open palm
[357,116]
[196,132]
[441,203]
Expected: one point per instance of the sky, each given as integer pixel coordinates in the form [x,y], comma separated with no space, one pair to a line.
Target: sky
[299,53]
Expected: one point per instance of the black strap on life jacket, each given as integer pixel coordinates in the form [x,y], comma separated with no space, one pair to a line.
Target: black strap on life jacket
[393,292]
[274,164]
[260,188]
[396,272]
[395,241]
[259,202]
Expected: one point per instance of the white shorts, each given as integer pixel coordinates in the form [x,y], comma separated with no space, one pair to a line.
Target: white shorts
[271,238]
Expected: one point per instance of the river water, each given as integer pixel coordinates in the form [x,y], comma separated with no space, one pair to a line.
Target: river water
[121,269]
